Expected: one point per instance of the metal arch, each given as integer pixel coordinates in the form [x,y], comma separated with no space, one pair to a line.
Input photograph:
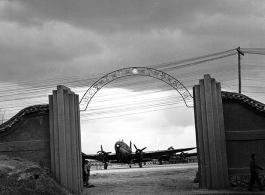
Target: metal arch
[133,71]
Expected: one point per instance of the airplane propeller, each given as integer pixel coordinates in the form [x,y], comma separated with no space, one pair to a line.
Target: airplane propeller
[138,152]
[103,154]
[139,155]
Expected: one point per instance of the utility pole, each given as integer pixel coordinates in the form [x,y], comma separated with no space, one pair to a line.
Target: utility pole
[239,68]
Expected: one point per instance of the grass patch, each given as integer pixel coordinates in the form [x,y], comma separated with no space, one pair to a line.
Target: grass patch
[19,176]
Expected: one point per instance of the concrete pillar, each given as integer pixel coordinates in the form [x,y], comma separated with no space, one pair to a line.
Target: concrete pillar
[222,136]
[52,145]
[65,140]
[74,141]
[210,135]
[199,137]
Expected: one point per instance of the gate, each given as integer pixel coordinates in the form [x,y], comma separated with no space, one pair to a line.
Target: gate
[229,127]
[214,131]
[64,115]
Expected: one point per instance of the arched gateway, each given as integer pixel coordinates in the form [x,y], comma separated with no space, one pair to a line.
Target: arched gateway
[229,127]
[134,71]
[64,115]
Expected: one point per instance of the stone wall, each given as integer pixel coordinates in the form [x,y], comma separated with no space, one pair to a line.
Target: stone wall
[27,135]
[242,181]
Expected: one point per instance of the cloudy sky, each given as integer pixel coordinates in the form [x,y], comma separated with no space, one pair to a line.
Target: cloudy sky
[45,43]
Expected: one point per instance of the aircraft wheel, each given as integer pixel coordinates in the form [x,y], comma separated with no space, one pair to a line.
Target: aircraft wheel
[130,166]
[105,165]
[140,164]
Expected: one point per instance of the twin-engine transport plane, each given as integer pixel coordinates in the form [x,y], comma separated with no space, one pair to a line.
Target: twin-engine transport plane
[125,155]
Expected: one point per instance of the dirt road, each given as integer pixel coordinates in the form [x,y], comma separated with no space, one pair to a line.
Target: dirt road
[151,179]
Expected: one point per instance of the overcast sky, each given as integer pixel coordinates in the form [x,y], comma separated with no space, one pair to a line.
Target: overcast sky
[51,39]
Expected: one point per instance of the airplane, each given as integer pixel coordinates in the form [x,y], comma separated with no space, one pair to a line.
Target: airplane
[174,158]
[178,158]
[125,155]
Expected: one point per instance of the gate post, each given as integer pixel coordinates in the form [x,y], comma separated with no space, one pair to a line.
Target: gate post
[210,134]
[65,139]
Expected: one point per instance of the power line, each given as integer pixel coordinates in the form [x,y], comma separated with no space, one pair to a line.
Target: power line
[34,91]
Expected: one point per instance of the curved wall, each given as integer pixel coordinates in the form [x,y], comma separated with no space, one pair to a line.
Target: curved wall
[244,120]
[27,135]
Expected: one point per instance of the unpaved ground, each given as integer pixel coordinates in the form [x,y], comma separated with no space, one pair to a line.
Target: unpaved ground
[151,179]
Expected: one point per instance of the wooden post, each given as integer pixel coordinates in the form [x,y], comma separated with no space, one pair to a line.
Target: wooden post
[239,52]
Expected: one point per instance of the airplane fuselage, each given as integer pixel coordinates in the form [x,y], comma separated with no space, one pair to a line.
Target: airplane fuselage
[123,152]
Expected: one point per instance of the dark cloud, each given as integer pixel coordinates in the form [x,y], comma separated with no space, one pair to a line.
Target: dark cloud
[24,50]
[80,37]
[118,15]
[48,39]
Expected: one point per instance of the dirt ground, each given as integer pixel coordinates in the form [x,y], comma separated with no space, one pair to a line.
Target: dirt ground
[151,179]
[166,179]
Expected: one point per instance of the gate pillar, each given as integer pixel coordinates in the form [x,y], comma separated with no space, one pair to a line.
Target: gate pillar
[210,134]
[65,139]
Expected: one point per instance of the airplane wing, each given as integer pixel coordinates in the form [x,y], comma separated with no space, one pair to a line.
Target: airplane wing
[160,153]
[111,156]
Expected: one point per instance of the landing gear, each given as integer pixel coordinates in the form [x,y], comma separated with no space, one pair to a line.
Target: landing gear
[130,165]
[105,165]
[160,161]
[140,164]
